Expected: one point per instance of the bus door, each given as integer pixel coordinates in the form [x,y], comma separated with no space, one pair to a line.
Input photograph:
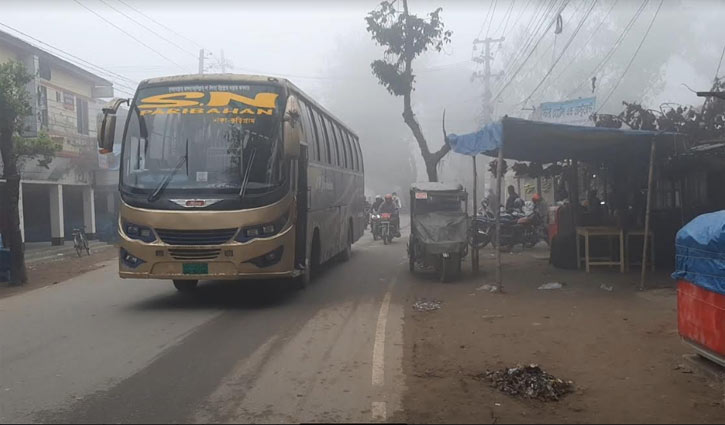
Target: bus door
[302,195]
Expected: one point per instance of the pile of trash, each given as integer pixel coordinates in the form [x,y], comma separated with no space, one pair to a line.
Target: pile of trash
[424,305]
[529,382]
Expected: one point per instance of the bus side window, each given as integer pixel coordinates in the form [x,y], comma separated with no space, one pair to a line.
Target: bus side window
[309,132]
[322,136]
[333,141]
[345,148]
[353,151]
[359,152]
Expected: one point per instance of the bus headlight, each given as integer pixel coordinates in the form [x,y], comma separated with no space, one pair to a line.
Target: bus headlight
[142,233]
[261,230]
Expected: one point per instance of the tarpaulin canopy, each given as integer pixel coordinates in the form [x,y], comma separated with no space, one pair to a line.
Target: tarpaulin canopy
[544,142]
[701,252]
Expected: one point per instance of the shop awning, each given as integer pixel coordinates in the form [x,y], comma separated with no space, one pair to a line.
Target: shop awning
[544,142]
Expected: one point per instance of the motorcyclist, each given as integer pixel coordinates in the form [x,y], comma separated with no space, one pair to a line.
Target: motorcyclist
[378,201]
[388,206]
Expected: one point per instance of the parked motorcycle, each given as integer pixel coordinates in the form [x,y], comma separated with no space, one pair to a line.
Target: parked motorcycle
[517,227]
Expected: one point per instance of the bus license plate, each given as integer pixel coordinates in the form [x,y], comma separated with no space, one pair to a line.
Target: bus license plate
[195,268]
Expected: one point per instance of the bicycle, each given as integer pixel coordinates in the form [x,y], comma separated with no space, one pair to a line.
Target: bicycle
[80,241]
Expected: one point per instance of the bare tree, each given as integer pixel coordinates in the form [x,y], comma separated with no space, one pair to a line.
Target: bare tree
[406,37]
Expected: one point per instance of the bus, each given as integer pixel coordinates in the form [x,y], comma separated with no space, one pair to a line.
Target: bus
[235,177]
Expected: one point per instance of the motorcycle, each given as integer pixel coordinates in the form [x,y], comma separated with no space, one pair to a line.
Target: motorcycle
[517,227]
[375,228]
[387,228]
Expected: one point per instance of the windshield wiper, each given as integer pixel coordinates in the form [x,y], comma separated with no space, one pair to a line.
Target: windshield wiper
[248,167]
[154,196]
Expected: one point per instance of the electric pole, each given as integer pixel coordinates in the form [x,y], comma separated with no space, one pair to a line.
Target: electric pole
[201,61]
[486,58]
[222,63]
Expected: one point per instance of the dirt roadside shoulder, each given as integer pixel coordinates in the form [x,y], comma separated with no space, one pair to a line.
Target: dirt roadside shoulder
[52,272]
[619,346]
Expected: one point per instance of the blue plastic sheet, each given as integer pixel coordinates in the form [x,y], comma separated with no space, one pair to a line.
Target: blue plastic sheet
[701,252]
[487,139]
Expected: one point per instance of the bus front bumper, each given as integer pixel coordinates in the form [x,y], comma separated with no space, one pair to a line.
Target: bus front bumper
[267,258]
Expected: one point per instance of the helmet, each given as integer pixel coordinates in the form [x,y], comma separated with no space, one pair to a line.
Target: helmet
[378,197]
[536,198]
[388,197]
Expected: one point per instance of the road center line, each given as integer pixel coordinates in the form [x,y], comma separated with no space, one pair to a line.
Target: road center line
[378,410]
[379,346]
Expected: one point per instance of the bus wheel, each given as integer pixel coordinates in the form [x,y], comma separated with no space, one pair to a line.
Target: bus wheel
[185,285]
[347,252]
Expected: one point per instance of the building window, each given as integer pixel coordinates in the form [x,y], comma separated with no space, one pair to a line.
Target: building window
[69,101]
[82,115]
[43,106]
[57,96]
[43,69]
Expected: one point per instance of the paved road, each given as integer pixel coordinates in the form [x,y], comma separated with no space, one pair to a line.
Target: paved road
[99,349]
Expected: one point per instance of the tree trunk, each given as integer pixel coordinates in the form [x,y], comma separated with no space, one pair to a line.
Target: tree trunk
[11,233]
[431,159]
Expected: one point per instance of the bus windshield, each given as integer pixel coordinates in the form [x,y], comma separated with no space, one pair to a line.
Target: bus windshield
[221,137]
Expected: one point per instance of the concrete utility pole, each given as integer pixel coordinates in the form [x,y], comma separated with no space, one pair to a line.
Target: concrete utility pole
[201,61]
[486,58]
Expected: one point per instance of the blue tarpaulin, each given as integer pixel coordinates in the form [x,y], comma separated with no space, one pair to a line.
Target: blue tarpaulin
[701,252]
[487,139]
[544,142]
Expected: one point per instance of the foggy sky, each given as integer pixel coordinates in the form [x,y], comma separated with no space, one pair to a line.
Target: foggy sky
[323,47]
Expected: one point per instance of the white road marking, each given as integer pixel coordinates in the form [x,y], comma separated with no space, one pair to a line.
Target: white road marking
[378,410]
[379,347]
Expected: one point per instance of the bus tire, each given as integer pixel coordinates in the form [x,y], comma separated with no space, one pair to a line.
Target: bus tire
[185,285]
[347,252]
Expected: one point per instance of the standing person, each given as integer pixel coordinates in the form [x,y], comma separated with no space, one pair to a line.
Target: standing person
[511,200]
[396,201]
[492,201]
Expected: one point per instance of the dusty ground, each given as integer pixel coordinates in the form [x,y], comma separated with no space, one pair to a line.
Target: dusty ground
[621,349]
[50,272]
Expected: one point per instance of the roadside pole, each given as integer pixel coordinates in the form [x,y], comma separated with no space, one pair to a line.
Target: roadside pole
[474,249]
[647,213]
[499,168]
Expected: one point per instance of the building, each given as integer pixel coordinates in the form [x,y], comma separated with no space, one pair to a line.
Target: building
[65,101]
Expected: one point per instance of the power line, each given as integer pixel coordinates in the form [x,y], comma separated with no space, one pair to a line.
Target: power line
[529,55]
[508,18]
[520,15]
[574,34]
[127,33]
[717,72]
[586,43]
[160,24]
[490,21]
[97,67]
[538,16]
[614,47]
[633,56]
[148,29]
[483,24]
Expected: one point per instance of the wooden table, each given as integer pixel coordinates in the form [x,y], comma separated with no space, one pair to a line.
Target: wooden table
[588,232]
[650,246]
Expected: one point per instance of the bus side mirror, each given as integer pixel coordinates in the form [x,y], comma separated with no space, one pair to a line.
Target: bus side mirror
[107,125]
[292,128]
